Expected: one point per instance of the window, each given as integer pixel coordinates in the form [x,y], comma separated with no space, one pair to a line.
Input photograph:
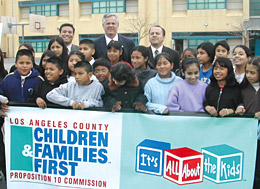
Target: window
[39,43]
[46,10]
[254,8]
[85,8]
[194,43]
[206,4]
[25,12]
[101,7]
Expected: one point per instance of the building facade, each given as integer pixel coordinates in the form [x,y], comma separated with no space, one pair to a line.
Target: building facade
[187,22]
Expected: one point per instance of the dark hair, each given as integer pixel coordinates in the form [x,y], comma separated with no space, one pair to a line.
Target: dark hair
[122,71]
[223,43]
[158,26]
[57,61]
[245,48]
[226,63]
[67,24]
[209,48]
[189,61]
[143,50]
[163,54]
[59,40]
[3,71]
[116,45]
[256,62]
[48,53]
[102,62]
[84,64]
[24,52]
[80,54]
[28,46]
[193,51]
[88,42]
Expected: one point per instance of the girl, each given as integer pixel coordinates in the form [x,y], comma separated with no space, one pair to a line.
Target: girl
[58,46]
[74,57]
[205,56]
[123,90]
[188,52]
[157,88]
[241,55]
[3,71]
[115,52]
[139,59]
[188,95]
[223,94]
[45,56]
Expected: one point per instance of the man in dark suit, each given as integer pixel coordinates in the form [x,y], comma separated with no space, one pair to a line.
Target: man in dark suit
[67,34]
[110,23]
[156,38]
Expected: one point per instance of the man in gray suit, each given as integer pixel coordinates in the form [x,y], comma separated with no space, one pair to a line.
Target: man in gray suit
[110,23]
[67,34]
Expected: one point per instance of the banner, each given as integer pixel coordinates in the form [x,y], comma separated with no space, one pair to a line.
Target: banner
[91,149]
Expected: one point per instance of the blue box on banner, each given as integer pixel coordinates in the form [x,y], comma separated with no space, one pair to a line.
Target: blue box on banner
[149,156]
[223,163]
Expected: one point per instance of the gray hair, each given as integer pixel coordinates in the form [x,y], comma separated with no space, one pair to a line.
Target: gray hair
[109,15]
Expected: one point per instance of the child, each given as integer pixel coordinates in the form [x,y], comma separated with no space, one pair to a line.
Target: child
[102,70]
[45,56]
[18,86]
[73,59]
[222,49]
[205,56]
[157,89]
[80,93]
[87,47]
[55,76]
[115,53]
[139,59]
[241,55]
[3,71]
[188,95]
[188,52]
[223,94]
[123,90]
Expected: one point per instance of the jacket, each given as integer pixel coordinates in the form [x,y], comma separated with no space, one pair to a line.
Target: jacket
[250,99]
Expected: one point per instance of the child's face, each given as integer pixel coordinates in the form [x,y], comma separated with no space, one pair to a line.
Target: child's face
[82,77]
[188,54]
[24,65]
[102,73]
[221,52]
[192,74]
[52,72]
[44,61]
[57,48]
[113,55]
[119,83]
[239,57]
[87,51]
[164,67]
[72,61]
[220,73]
[203,56]
[138,60]
[252,73]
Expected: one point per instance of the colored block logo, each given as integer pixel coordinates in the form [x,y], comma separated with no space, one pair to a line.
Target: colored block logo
[21,148]
[183,166]
[149,156]
[223,163]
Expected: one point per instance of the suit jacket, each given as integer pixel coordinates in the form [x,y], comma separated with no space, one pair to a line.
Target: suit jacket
[101,47]
[173,54]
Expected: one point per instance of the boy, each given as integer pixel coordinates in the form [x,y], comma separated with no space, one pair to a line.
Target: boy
[87,47]
[54,73]
[18,85]
[222,49]
[102,69]
[79,93]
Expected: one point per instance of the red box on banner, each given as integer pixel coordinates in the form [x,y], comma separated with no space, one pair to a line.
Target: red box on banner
[183,166]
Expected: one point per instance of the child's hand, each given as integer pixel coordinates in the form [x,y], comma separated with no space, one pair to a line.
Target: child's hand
[82,105]
[5,108]
[75,105]
[257,115]
[41,103]
[211,110]
[116,107]
[240,110]
[140,107]
[166,111]
[225,112]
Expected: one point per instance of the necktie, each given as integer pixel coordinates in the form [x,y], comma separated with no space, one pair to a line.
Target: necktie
[156,52]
